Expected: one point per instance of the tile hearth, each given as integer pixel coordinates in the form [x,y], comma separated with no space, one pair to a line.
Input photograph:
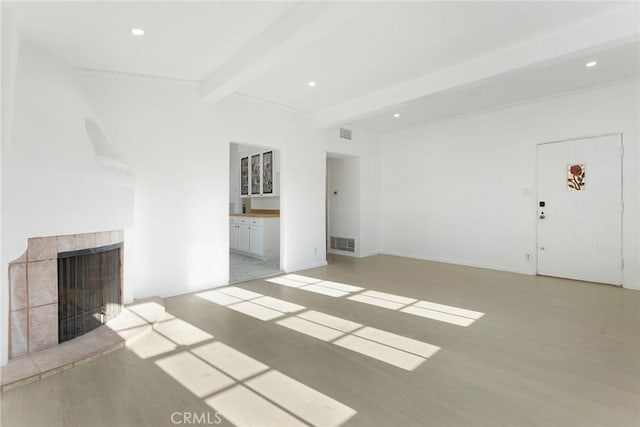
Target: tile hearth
[134,322]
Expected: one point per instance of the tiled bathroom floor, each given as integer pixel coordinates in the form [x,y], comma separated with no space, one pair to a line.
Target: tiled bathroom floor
[243,267]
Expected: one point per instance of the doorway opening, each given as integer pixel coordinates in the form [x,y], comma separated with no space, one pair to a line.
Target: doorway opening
[342,205]
[580,209]
[254,212]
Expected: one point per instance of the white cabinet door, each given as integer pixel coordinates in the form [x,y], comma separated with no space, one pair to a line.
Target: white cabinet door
[256,175]
[244,177]
[257,241]
[233,236]
[244,238]
[260,174]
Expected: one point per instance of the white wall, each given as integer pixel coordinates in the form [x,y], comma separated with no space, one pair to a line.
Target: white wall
[9,46]
[343,198]
[463,190]
[234,178]
[270,203]
[178,148]
[52,183]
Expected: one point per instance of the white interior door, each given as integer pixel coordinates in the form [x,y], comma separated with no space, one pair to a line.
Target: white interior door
[580,209]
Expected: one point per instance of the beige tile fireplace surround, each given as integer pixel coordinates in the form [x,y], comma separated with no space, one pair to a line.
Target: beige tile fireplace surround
[33,290]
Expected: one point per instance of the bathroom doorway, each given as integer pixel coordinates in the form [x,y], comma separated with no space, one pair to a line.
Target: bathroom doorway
[343,204]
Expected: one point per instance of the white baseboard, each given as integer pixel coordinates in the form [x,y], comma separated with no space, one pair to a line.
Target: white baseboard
[458,262]
[305,266]
[352,254]
[632,286]
[372,253]
[198,288]
[343,253]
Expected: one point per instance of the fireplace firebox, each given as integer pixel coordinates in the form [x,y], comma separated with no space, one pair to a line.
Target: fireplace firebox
[89,289]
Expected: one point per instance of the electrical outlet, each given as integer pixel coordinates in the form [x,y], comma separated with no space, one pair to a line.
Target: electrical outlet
[528,257]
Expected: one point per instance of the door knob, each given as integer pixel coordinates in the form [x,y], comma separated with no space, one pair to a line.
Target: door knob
[542,216]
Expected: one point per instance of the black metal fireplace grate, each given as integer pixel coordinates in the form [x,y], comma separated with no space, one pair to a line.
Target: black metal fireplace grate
[89,289]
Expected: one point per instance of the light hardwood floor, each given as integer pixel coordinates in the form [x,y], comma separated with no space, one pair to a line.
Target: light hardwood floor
[538,351]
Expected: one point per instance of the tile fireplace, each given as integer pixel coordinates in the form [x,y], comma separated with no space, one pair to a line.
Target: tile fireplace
[36,301]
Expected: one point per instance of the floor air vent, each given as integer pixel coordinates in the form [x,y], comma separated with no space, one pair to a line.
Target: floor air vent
[343,244]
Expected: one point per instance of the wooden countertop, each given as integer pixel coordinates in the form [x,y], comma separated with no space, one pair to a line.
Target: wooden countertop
[257,215]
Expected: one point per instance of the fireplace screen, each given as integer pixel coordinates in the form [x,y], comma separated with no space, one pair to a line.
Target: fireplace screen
[88,290]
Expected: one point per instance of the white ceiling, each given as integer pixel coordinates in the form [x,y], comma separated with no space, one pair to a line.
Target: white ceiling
[183,40]
[615,64]
[374,48]
[392,42]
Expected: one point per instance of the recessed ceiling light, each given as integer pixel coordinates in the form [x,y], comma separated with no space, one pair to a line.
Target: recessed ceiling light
[137,31]
[396,115]
[591,64]
[312,84]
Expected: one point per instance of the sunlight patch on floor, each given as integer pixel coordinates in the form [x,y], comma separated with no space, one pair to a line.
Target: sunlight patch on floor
[427,309]
[149,311]
[381,352]
[150,345]
[197,376]
[397,350]
[310,328]
[243,294]
[319,286]
[229,360]
[244,407]
[318,289]
[334,322]
[278,304]
[218,298]
[283,280]
[339,286]
[398,341]
[376,301]
[438,315]
[303,401]
[457,311]
[250,303]
[126,320]
[391,348]
[181,332]
[389,297]
[300,278]
[255,310]
[223,376]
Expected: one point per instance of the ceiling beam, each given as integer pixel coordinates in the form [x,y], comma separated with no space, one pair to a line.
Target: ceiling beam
[292,32]
[617,27]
